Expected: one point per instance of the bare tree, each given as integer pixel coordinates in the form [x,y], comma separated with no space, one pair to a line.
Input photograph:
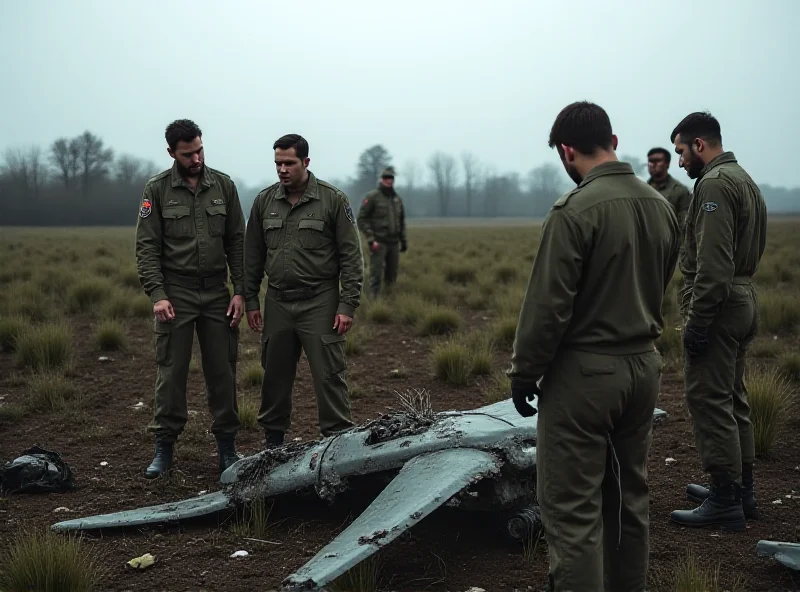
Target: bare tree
[128,169]
[94,159]
[470,163]
[64,155]
[25,169]
[443,167]
[410,174]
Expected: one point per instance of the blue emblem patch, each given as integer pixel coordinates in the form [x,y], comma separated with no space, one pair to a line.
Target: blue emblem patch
[349,212]
[709,206]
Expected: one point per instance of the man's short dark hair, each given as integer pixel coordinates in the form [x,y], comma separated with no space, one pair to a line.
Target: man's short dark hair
[295,141]
[659,150]
[181,130]
[583,126]
[698,125]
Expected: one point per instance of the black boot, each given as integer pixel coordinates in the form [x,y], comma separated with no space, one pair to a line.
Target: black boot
[227,452]
[274,438]
[698,493]
[162,462]
[722,507]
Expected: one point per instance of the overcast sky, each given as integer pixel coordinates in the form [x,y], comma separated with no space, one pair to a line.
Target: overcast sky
[415,75]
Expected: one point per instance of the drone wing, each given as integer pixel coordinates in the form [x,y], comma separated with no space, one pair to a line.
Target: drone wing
[169,512]
[422,485]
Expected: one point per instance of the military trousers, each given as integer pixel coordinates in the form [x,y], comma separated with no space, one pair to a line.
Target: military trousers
[291,327]
[202,310]
[716,395]
[383,266]
[594,431]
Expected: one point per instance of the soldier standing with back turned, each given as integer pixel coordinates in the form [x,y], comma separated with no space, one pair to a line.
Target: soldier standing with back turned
[382,219]
[726,231]
[189,233]
[302,234]
[585,345]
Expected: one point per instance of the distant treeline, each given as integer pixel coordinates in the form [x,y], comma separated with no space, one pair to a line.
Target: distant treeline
[81,182]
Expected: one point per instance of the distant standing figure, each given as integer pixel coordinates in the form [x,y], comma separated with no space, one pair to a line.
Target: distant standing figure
[382,220]
[302,234]
[675,192]
[585,346]
[726,232]
[189,234]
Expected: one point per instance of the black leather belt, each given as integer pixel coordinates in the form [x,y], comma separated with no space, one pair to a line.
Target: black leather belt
[196,283]
[293,294]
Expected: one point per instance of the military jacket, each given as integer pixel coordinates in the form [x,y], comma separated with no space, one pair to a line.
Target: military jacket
[675,193]
[303,246]
[382,218]
[607,253]
[194,232]
[726,233]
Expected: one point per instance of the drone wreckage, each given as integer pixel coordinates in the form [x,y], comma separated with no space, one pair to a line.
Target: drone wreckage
[478,460]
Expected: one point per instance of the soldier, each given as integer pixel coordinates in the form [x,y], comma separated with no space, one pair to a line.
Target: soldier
[726,231]
[189,233]
[382,219]
[675,192]
[302,234]
[585,346]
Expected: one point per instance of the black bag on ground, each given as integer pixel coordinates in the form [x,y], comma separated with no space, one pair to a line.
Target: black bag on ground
[36,471]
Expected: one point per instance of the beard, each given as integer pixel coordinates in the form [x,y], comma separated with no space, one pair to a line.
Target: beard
[573,174]
[187,172]
[695,165]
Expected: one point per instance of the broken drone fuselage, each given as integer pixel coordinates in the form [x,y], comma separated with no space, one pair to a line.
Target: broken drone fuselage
[481,459]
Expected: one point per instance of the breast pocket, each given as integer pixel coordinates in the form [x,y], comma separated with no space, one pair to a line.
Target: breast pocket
[311,234]
[177,222]
[216,219]
[272,232]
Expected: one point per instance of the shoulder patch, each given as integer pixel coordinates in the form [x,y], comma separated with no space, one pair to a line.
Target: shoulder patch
[146,208]
[709,206]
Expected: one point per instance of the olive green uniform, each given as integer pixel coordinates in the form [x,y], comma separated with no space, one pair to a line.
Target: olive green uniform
[186,241]
[587,330]
[726,233]
[676,193]
[305,250]
[382,218]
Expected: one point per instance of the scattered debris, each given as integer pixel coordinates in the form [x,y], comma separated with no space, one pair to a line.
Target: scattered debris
[139,405]
[670,461]
[104,359]
[474,589]
[240,554]
[142,562]
[62,509]
[104,463]
[777,501]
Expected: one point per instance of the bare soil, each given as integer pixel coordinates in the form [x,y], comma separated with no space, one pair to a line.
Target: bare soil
[447,551]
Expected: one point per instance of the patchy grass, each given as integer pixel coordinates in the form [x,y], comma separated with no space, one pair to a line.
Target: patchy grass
[10,328]
[769,394]
[45,346]
[49,562]
[109,335]
[52,391]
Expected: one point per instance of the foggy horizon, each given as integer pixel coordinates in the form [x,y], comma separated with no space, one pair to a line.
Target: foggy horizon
[416,78]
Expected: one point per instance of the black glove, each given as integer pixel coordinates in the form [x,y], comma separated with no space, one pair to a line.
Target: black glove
[403,246]
[695,341]
[521,396]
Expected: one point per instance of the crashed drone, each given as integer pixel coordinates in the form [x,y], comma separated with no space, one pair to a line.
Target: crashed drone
[482,459]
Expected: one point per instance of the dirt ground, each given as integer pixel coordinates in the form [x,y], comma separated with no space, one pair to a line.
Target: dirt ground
[447,551]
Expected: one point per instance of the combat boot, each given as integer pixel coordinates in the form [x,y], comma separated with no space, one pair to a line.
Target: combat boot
[698,493]
[274,438]
[722,507]
[227,452]
[162,462]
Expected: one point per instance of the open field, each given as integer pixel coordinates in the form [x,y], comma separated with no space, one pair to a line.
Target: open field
[70,296]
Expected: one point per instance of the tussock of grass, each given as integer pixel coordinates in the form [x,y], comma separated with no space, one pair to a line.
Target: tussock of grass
[498,388]
[46,346]
[49,562]
[408,307]
[10,328]
[141,307]
[26,300]
[765,348]
[505,329]
[691,576]
[780,311]
[248,411]
[357,339]
[362,577]
[380,312]
[11,412]
[86,294]
[110,336]
[460,274]
[253,374]
[130,278]
[769,394]
[451,362]
[253,520]
[789,363]
[51,391]
[438,320]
